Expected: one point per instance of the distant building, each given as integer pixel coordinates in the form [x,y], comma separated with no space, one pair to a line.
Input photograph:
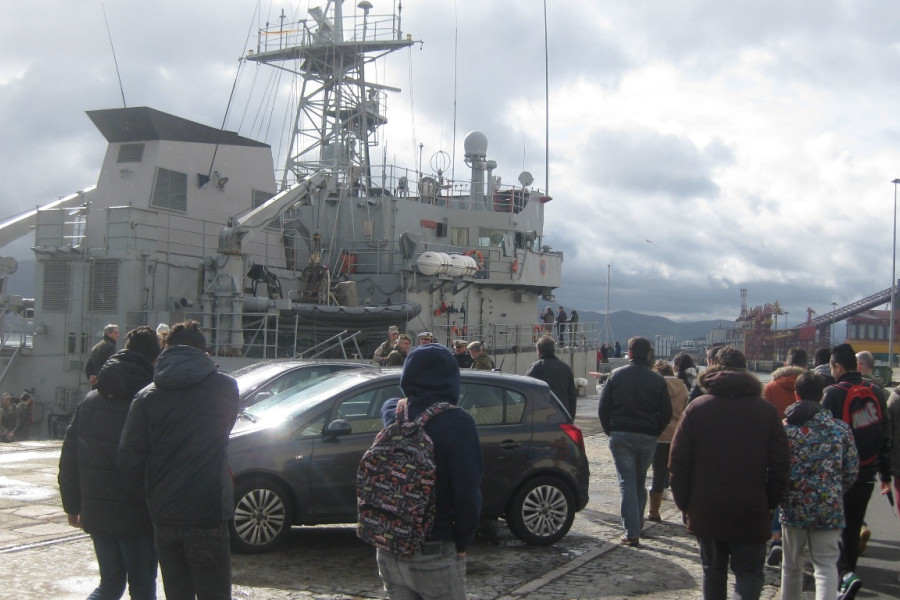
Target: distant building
[869,331]
[665,347]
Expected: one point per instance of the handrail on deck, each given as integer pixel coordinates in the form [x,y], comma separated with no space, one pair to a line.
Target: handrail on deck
[335,341]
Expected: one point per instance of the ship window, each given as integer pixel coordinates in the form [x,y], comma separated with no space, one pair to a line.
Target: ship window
[56,287]
[130,153]
[459,236]
[170,190]
[260,198]
[488,238]
[104,286]
[72,343]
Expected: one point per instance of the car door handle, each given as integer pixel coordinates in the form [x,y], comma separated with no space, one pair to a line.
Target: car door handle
[509,444]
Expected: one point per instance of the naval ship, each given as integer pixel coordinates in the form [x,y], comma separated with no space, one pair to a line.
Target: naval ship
[317,257]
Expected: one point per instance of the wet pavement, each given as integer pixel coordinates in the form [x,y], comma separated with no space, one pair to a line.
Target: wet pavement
[42,557]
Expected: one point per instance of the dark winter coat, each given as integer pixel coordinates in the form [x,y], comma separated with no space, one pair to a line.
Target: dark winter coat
[100,353]
[635,398]
[558,375]
[729,459]
[175,442]
[89,481]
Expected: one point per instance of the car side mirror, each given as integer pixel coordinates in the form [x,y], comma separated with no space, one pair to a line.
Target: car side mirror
[339,427]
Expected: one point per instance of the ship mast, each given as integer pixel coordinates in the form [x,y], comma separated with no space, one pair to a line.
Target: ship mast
[338,112]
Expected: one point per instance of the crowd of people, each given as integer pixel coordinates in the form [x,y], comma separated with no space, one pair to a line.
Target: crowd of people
[16,417]
[760,474]
[394,351]
[143,467]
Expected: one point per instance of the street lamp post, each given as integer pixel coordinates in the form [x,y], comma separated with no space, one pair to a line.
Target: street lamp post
[893,283]
[833,308]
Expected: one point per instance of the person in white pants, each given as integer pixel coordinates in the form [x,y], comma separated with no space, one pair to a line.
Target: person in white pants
[824,464]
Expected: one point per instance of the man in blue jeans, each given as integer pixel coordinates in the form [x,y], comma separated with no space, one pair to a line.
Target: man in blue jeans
[634,410]
[92,491]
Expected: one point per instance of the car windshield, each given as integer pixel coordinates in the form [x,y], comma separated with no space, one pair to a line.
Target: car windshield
[295,400]
[249,377]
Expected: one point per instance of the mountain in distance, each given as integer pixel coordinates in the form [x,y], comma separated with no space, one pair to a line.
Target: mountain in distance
[624,324]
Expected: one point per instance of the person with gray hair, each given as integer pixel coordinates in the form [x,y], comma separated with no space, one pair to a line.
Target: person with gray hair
[865,363]
[101,352]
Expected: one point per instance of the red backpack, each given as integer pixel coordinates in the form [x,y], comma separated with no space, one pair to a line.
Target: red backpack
[862,412]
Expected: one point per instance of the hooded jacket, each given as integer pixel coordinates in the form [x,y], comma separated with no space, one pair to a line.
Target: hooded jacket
[729,459]
[175,441]
[89,482]
[635,398]
[780,391]
[824,463]
[430,375]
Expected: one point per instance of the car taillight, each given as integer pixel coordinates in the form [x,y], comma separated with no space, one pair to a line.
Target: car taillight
[573,432]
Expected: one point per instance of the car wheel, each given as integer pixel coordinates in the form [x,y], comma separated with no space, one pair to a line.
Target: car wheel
[263,513]
[541,512]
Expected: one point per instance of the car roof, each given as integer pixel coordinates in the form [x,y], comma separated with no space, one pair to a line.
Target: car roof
[472,375]
[291,362]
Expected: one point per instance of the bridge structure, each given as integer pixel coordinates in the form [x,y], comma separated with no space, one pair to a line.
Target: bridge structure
[755,333]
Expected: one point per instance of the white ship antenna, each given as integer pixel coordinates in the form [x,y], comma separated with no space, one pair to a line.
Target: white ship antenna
[455,61]
[115,60]
[606,325]
[546,106]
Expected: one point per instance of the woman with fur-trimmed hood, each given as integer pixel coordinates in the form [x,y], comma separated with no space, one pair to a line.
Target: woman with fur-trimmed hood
[780,391]
[729,466]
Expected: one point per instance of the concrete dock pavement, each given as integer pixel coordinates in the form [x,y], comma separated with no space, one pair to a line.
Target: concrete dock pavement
[42,557]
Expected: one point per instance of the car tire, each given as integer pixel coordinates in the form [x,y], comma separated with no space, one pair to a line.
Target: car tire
[541,512]
[263,515]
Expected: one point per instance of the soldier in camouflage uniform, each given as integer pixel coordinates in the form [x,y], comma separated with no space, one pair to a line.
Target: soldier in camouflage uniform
[398,355]
[384,350]
[481,359]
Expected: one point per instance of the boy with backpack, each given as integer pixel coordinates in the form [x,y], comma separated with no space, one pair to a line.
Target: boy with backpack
[423,556]
[862,406]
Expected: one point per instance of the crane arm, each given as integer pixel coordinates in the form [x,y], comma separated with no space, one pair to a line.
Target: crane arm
[240,228]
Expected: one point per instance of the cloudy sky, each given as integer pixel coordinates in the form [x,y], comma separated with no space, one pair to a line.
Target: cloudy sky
[698,147]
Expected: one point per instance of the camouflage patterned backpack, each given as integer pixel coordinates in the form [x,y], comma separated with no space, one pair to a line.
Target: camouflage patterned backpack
[395,484]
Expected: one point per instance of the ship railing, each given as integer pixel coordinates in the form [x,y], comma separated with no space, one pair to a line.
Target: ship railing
[317,29]
[339,341]
[438,190]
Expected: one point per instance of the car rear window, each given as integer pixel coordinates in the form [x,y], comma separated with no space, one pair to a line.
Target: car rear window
[492,404]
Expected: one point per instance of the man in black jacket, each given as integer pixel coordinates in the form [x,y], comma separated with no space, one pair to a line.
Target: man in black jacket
[101,352]
[874,457]
[89,482]
[557,374]
[634,409]
[174,452]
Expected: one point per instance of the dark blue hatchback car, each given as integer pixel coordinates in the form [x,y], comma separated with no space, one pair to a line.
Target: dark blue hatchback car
[295,455]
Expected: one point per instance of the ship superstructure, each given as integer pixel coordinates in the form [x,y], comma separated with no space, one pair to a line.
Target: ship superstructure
[189,221]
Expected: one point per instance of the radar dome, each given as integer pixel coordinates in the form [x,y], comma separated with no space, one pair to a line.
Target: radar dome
[476,144]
